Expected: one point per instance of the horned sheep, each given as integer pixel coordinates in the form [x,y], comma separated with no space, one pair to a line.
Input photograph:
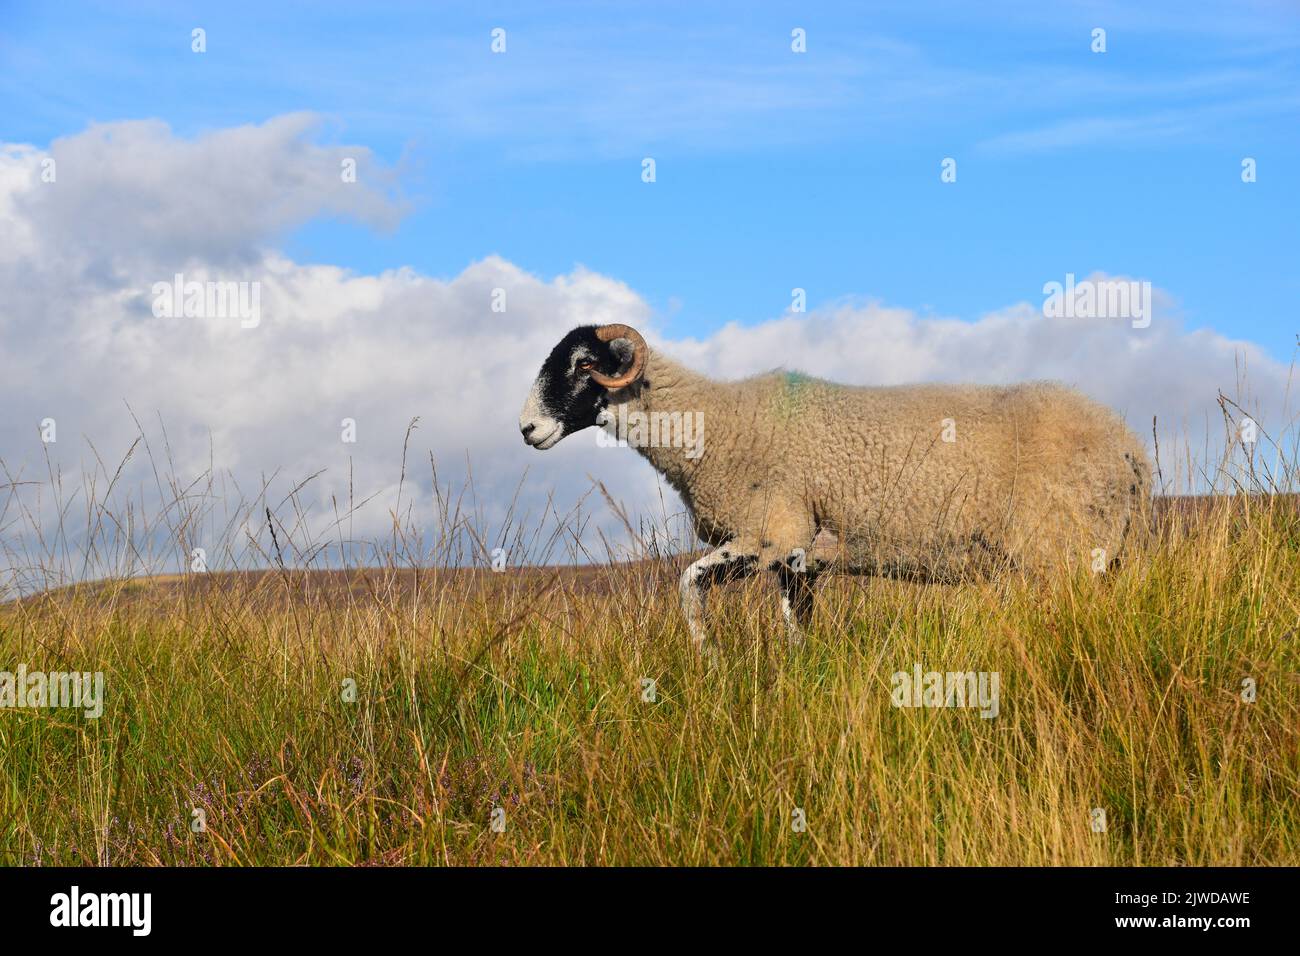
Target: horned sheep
[928,482]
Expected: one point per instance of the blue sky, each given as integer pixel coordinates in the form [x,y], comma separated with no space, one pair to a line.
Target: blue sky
[774,169]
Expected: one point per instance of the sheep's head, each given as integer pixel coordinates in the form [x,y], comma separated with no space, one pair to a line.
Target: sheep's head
[577,378]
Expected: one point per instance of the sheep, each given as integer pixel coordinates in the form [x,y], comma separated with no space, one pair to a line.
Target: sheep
[926,482]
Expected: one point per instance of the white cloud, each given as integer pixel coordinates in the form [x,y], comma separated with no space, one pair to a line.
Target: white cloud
[132,204]
[129,195]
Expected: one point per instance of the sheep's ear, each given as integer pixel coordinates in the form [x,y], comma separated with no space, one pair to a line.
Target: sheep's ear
[623,350]
[626,344]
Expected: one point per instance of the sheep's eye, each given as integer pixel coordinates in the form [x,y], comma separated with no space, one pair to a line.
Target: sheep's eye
[586,366]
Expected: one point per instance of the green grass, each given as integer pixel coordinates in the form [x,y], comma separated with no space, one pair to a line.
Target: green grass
[1120,692]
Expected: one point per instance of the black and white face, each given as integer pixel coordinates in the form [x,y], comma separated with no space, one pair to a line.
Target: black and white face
[565,399]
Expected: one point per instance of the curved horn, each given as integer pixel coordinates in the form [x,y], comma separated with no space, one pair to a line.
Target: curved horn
[640,351]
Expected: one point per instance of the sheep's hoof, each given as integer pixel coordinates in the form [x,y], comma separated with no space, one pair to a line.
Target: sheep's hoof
[707,653]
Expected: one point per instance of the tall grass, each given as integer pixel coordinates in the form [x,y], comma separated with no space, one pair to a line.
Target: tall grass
[508,717]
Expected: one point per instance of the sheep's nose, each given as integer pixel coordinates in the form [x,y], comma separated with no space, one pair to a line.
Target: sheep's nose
[527,429]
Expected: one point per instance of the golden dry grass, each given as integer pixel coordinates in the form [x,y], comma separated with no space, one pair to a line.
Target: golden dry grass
[524,692]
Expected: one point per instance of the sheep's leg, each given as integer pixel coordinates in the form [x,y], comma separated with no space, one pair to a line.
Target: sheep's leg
[786,549]
[729,562]
[796,600]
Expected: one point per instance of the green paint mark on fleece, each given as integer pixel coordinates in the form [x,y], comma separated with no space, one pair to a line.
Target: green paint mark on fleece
[793,389]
